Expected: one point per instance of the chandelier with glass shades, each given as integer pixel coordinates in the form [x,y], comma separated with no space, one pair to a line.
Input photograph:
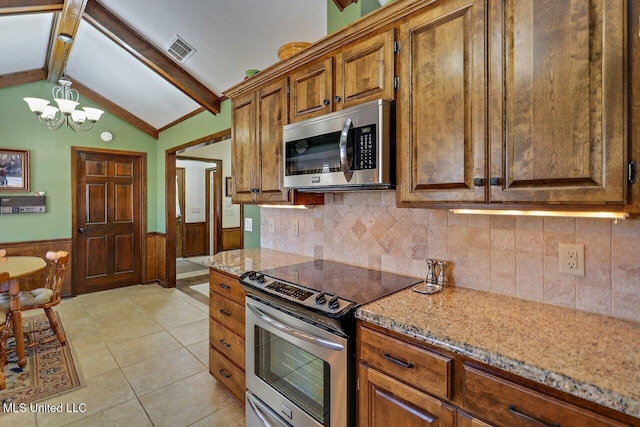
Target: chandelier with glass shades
[67,101]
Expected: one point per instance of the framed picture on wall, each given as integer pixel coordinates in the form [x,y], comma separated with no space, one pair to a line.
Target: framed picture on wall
[14,170]
[227,186]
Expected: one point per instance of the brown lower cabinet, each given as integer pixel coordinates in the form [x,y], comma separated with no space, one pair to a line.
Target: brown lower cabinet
[405,382]
[226,331]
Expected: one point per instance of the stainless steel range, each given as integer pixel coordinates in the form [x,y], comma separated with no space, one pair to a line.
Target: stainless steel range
[300,340]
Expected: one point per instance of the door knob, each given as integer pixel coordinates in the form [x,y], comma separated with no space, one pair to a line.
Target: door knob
[80,230]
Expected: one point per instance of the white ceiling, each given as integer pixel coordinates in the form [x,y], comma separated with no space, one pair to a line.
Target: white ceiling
[119,76]
[230,36]
[24,41]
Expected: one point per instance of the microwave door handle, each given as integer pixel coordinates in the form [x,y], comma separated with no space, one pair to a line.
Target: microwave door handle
[294,332]
[344,161]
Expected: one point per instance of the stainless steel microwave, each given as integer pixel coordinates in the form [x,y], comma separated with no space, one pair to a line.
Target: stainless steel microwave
[346,150]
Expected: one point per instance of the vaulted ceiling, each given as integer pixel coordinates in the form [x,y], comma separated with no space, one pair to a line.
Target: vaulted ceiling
[119,58]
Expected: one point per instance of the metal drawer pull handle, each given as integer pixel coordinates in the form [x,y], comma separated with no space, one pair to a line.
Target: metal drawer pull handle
[258,412]
[514,411]
[224,313]
[224,373]
[398,362]
[223,286]
[224,343]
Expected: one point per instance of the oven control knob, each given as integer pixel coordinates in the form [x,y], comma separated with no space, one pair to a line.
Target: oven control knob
[320,299]
[260,278]
[334,303]
[252,275]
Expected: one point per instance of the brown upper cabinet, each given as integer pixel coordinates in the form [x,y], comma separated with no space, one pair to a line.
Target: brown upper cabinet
[554,131]
[557,102]
[500,103]
[441,105]
[256,125]
[363,72]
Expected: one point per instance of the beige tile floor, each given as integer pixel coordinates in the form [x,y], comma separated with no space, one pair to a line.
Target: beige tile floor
[143,354]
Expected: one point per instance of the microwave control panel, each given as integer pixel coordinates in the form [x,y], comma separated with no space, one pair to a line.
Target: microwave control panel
[365,147]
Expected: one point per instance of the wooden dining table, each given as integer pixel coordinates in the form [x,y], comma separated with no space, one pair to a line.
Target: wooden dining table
[17,267]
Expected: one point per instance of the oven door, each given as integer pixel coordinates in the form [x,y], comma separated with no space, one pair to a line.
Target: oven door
[297,369]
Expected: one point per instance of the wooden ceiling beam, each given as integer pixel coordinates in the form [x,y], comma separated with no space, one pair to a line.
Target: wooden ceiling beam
[67,23]
[117,111]
[14,7]
[23,77]
[149,55]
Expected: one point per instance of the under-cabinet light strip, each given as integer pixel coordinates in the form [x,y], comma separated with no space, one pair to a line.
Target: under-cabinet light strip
[564,214]
[285,206]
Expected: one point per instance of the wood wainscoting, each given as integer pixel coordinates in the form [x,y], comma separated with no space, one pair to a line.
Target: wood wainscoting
[40,248]
[156,259]
[231,238]
[195,239]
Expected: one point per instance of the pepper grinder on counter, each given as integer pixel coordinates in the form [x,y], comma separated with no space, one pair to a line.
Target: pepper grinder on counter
[431,278]
[436,277]
[442,279]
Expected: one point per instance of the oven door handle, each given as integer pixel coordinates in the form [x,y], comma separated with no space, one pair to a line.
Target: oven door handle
[294,332]
[344,160]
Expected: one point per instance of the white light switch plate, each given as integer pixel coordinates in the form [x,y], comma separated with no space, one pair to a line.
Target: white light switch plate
[272,225]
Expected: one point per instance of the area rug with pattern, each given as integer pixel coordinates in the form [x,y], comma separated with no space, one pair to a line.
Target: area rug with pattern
[50,370]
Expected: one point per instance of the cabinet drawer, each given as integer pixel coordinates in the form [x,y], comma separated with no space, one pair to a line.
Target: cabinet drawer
[384,401]
[505,403]
[420,368]
[226,286]
[227,312]
[226,342]
[227,373]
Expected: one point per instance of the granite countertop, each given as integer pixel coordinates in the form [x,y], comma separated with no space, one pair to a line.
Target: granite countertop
[588,355]
[239,261]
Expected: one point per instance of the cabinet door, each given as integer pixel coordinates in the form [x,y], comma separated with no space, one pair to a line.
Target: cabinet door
[243,155]
[311,91]
[364,72]
[441,106]
[272,115]
[557,101]
[384,401]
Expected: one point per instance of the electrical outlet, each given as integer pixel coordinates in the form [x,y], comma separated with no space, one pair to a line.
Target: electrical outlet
[571,259]
[272,225]
[248,224]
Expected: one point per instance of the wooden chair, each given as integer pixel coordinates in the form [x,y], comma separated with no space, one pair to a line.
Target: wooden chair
[4,277]
[46,297]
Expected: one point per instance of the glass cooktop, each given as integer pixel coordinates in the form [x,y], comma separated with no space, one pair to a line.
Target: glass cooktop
[357,284]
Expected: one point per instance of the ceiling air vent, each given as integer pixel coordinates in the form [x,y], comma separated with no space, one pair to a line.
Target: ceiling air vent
[180,49]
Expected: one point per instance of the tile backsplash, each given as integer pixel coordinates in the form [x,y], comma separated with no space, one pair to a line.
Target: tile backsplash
[516,256]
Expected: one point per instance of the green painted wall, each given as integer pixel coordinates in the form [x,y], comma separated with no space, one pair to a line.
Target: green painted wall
[337,20]
[252,238]
[50,160]
[194,128]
